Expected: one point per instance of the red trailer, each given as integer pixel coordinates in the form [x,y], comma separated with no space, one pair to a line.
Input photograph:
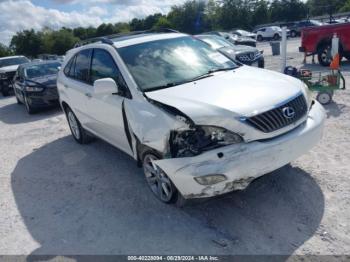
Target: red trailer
[318,40]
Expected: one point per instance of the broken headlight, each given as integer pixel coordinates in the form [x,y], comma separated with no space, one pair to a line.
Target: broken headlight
[199,139]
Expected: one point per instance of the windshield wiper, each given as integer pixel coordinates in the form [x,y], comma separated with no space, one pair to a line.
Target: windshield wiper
[213,70]
[207,74]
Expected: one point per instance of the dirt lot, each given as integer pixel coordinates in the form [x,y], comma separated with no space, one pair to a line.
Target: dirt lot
[58,197]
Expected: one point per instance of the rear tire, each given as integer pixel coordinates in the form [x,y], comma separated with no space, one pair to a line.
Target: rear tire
[324,55]
[259,38]
[347,56]
[78,132]
[276,37]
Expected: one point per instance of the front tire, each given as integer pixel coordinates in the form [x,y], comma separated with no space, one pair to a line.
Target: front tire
[18,101]
[259,38]
[30,110]
[159,183]
[293,33]
[78,132]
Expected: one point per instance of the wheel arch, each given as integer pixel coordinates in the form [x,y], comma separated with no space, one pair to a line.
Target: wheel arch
[328,41]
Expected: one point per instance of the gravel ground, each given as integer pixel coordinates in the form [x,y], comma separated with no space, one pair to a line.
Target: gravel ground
[58,197]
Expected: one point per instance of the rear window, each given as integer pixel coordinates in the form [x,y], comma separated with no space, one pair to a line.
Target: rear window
[42,70]
[13,61]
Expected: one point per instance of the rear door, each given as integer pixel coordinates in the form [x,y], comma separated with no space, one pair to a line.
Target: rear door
[106,110]
[76,84]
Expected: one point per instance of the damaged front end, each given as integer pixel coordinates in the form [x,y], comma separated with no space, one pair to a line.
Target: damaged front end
[198,139]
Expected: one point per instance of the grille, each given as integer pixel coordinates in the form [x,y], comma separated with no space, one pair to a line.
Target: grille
[281,116]
[248,57]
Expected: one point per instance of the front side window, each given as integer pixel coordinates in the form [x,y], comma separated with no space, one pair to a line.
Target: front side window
[82,65]
[164,63]
[103,66]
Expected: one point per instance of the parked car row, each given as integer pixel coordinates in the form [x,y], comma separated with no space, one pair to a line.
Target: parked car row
[234,38]
[35,85]
[8,68]
[245,54]
[198,122]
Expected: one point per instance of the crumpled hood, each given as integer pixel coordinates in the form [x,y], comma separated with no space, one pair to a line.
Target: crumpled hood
[245,91]
[48,81]
[6,69]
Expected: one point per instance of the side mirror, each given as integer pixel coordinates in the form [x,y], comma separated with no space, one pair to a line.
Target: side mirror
[106,86]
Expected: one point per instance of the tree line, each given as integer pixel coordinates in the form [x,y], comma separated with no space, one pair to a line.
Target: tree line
[191,17]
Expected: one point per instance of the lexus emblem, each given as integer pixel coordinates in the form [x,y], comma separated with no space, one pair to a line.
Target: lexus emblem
[288,112]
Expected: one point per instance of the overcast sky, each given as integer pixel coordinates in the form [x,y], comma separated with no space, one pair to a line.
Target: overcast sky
[16,15]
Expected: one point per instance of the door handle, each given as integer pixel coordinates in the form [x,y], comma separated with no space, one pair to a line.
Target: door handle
[88,95]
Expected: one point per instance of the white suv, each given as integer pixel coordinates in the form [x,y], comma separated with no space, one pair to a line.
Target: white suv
[270,32]
[199,124]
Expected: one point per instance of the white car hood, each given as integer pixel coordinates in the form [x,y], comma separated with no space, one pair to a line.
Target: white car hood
[245,91]
[8,68]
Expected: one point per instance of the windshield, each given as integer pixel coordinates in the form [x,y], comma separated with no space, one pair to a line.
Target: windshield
[42,70]
[165,63]
[214,41]
[13,61]
[243,32]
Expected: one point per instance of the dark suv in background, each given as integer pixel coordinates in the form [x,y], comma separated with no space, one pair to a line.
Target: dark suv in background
[295,29]
[8,68]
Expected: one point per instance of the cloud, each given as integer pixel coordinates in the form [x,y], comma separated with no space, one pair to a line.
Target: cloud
[17,15]
[22,14]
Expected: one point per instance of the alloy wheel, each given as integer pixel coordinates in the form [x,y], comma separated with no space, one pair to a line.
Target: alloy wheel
[157,180]
[73,123]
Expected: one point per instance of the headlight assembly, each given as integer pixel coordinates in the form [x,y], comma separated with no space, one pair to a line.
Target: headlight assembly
[201,138]
[32,87]
[307,94]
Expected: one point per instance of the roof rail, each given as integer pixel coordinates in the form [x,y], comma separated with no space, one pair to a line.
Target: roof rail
[107,39]
[101,39]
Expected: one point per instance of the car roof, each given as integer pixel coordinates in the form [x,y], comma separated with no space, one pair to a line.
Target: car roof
[26,65]
[143,38]
[123,40]
[9,57]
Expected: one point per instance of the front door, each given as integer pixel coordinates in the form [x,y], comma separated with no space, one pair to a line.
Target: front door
[106,110]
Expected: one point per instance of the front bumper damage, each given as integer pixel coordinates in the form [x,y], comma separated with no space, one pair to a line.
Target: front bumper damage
[242,163]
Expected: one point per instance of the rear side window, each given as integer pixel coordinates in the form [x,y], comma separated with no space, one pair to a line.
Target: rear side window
[82,66]
[68,71]
[103,66]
